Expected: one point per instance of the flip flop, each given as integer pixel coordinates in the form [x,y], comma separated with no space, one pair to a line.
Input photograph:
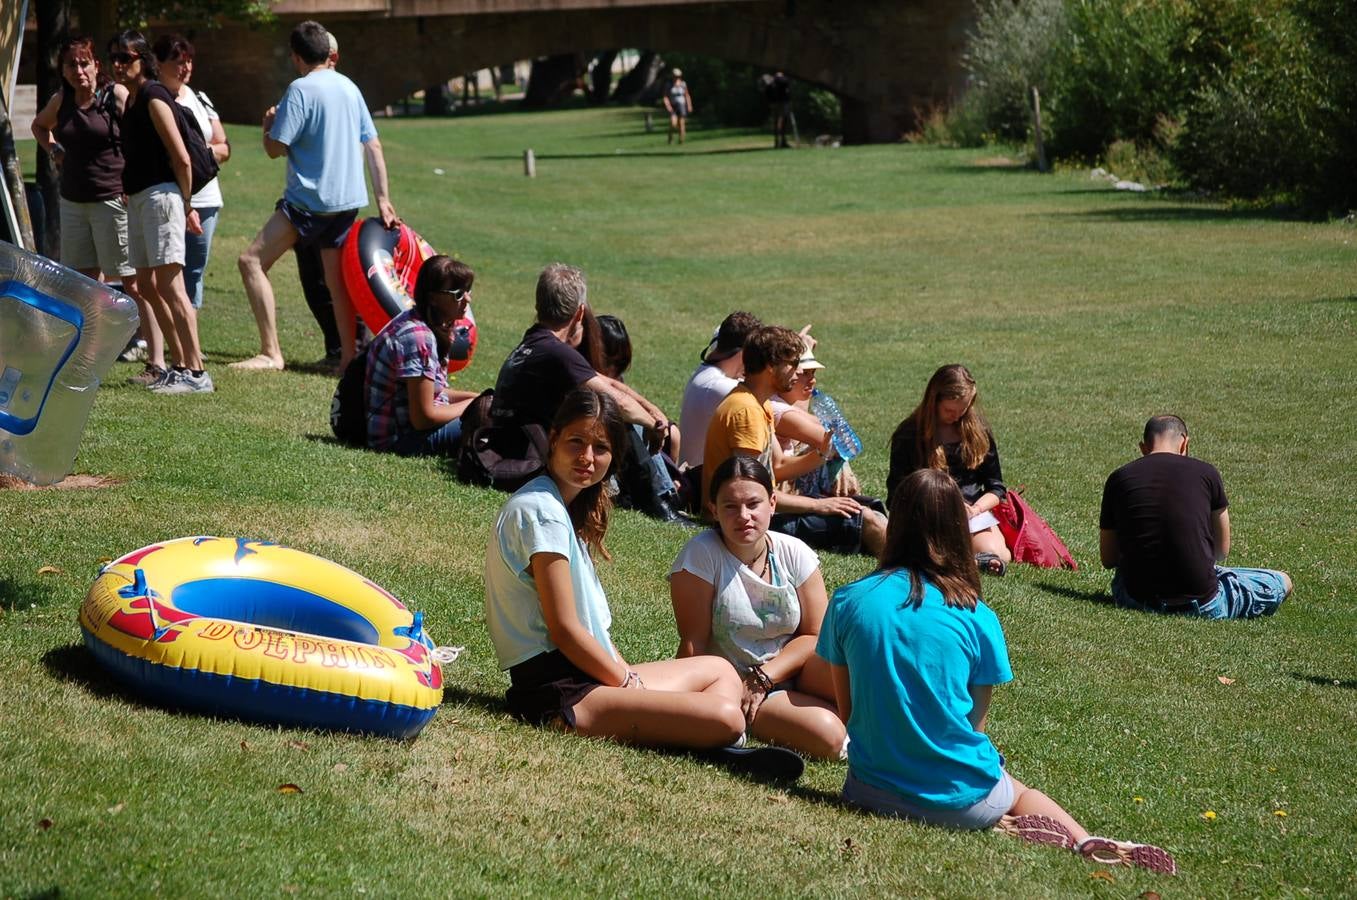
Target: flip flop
[991,564]
[1037,830]
[1112,853]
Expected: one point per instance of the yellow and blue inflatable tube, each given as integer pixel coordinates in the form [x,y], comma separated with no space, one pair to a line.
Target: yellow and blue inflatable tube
[263,632]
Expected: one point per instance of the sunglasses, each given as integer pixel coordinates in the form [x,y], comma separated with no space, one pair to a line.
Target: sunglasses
[124,58]
[456,294]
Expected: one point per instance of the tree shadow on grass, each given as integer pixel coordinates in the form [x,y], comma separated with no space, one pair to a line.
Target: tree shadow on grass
[1350,300]
[627,154]
[22,593]
[1102,597]
[1349,684]
[1151,210]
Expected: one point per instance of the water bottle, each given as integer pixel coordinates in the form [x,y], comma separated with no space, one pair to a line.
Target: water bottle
[842,436]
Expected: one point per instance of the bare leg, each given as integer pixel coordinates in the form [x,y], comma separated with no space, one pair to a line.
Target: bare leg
[273,240]
[343,306]
[150,329]
[683,128]
[1031,802]
[873,532]
[169,284]
[673,123]
[686,703]
[801,722]
[160,315]
[991,540]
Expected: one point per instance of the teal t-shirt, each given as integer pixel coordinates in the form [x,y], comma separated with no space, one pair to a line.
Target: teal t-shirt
[535,520]
[909,672]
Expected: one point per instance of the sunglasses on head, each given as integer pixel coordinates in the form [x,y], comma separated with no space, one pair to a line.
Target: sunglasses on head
[124,58]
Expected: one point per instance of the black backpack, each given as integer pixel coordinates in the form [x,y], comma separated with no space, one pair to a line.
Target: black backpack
[349,406]
[201,161]
[499,456]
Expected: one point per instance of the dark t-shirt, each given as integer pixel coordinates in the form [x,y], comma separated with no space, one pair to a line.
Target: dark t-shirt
[147,162]
[986,478]
[1160,506]
[535,378]
[93,167]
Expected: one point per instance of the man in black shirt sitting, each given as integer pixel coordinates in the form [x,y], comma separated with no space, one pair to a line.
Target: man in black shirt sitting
[550,362]
[1165,526]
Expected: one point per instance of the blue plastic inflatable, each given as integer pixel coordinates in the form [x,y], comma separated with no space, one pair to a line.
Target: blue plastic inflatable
[60,332]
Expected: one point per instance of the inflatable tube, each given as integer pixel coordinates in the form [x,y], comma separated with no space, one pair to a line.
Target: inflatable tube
[379,266]
[60,332]
[262,632]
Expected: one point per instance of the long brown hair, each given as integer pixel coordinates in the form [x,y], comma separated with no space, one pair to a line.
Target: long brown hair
[953,382]
[591,506]
[927,535]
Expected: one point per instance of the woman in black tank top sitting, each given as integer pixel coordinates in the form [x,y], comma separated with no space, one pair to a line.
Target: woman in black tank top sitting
[78,127]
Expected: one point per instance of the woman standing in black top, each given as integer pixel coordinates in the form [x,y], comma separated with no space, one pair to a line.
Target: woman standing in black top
[948,431]
[158,182]
[79,129]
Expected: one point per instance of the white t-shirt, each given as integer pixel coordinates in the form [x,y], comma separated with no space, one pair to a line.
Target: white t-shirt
[751,619]
[703,393]
[203,113]
[535,520]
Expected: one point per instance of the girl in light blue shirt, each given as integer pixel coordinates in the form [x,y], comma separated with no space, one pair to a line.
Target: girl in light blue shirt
[914,656]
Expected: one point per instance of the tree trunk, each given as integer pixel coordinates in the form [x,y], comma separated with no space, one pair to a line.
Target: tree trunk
[631,85]
[437,99]
[553,80]
[601,78]
[54,19]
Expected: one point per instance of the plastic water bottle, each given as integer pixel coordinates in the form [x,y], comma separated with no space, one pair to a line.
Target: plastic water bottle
[844,439]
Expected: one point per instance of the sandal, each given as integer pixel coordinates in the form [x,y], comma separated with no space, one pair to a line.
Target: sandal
[1037,830]
[1113,853]
[991,564]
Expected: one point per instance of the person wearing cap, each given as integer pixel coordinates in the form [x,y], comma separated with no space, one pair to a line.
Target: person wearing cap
[743,425]
[720,371]
[679,104]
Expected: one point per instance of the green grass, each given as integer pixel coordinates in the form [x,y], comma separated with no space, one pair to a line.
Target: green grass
[1082,311]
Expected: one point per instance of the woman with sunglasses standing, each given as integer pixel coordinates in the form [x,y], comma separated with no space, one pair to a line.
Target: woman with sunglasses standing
[410,409]
[175,55]
[79,129]
[158,182]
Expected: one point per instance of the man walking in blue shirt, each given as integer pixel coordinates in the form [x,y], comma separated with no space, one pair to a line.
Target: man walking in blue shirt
[323,127]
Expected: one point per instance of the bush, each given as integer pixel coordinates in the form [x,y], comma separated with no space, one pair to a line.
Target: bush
[1010,52]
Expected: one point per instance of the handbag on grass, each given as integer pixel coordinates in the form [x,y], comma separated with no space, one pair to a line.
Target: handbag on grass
[1029,537]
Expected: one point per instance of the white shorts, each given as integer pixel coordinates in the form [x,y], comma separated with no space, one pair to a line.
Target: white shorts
[94,236]
[156,225]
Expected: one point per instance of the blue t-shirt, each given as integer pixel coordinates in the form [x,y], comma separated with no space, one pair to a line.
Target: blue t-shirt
[909,671]
[535,520]
[324,122]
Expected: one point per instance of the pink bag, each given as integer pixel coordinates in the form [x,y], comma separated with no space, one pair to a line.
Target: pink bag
[1029,538]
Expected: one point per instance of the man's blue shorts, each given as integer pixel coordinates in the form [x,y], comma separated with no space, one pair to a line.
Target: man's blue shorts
[324,230]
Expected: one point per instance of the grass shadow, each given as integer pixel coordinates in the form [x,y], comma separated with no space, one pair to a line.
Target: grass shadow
[23,594]
[1102,597]
[1148,211]
[1350,299]
[488,703]
[628,154]
[75,664]
[1349,684]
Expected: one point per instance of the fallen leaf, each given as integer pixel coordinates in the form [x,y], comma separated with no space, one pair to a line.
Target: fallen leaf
[1149,895]
[341,767]
[289,788]
[1138,799]
[116,808]
[1102,875]
[1279,813]
[44,824]
[105,559]
[246,746]
[779,798]
[1209,815]
[299,745]
[1223,680]
[48,570]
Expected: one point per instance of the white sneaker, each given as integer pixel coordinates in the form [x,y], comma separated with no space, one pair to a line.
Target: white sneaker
[187,383]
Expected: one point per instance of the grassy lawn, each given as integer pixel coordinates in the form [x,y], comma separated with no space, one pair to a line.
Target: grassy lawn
[1081,311]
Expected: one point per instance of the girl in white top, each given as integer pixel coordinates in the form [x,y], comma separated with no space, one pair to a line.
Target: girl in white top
[549,619]
[756,598]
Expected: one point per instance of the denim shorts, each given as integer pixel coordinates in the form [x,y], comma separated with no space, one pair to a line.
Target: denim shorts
[1242,594]
[980,815]
[324,230]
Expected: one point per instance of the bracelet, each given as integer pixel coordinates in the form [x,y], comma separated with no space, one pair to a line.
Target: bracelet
[757,679]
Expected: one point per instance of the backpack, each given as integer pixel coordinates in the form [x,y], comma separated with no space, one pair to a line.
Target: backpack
[499,456]
[202,163]
[349,406]
[1028,536]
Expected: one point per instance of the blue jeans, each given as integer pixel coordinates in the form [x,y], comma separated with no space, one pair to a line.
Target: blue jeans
[197,247]
[1242,594]
[441,441]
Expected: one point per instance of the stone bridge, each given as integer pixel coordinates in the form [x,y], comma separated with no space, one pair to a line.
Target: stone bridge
[886,59]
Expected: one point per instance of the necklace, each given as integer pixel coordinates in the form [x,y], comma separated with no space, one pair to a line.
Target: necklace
[767,555]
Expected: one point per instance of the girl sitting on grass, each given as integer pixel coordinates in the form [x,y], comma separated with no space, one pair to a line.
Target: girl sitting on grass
[549,619]
[756,598]
[914,655]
